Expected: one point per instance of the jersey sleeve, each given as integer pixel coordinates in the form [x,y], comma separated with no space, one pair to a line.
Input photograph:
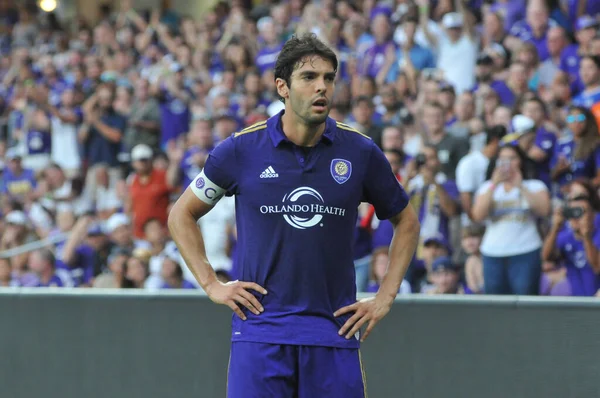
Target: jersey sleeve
[219,175]
[381,188]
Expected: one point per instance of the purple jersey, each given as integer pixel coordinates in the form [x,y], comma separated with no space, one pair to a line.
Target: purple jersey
[39,142]
[507,97]
[266,58]
[579,168]
[546,141]
[569,61]
[583,280]
[523,31]
[81,268]
[373,59]
[296,211]
[175,117]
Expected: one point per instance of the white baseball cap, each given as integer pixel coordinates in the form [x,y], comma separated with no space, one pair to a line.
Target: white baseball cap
[141,152]
[115,221]
[452,20]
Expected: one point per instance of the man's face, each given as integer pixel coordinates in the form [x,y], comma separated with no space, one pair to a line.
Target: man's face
[362,112]
[584,36]
[36,262]
[518,75]
[465,107]
[434,119]
[533,110]
[589,72]
[391,138]
[445,280]
[432,161]
[311,88]
[394,160]
[105,98]
[121,235]
[556,41]
[142,166]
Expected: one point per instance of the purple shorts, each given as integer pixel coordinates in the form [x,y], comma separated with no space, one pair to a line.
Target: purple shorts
[259,370]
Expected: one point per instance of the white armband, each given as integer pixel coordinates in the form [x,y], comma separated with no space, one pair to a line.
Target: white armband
[206,190]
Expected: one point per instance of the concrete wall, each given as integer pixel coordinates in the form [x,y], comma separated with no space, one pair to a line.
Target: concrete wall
[77,344]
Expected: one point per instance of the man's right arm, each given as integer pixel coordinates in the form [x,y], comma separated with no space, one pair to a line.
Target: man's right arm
[218,177]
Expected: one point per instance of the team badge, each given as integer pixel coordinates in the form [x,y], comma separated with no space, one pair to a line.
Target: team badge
[200,183]
[341,170]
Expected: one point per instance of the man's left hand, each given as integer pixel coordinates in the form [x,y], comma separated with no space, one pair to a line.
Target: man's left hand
[371,309]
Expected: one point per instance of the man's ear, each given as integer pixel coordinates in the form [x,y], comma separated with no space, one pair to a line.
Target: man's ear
[282,88]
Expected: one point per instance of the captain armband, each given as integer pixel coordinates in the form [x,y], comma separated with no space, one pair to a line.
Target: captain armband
[206,190]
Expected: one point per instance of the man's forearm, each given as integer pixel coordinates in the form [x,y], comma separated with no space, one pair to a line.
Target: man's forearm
[186,234]
[402,249]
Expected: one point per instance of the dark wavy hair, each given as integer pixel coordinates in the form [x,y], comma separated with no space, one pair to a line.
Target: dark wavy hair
[526,172]
[295,50]
[591,137]
[592,194]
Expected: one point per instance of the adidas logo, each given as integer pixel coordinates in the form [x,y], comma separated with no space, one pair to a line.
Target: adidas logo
[269,173]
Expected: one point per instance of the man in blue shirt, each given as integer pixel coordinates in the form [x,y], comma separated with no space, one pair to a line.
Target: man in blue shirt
[298,179]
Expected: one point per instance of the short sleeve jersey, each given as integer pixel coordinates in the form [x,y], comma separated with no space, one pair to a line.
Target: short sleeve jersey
[296,210]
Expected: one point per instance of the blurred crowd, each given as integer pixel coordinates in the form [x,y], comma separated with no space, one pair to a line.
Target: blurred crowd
[487,111]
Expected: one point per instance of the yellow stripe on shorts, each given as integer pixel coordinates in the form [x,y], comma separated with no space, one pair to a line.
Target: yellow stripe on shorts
[364,375]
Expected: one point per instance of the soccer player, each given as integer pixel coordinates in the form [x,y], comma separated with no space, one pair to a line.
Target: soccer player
[298,179]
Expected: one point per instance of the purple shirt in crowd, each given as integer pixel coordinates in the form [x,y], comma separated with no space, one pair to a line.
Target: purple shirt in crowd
[373,59]
[523,31]
[581,276]
[81,268]
[546,141]
[175,117]
[266,58]
[579,168]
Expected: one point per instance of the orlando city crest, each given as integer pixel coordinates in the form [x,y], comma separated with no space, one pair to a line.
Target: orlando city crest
[341,170]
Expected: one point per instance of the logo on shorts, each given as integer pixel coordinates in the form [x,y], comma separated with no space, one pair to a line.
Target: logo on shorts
[341,170]
[200,183]
[303,208]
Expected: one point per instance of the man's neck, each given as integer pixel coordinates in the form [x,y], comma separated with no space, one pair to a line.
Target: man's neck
[300,133]
[436,136]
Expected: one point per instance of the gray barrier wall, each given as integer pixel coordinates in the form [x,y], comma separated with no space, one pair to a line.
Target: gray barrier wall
[63,344]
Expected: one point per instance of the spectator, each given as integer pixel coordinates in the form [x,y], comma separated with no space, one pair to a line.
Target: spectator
[6,276]
[589,73]
[172,273]
[42,262]
[449,149]
[433,194]
[18,182]
[577,243]
[471,243]
[456,47]
[137,270]
[362,113]
[143,122]
[511,244]
[114,278]
[576,154]
[149,188]
[445,277]
[471,170]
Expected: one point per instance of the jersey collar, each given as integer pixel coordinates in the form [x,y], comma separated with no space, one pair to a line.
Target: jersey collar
[277,135]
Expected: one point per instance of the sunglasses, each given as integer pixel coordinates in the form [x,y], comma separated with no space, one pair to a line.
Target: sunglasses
[576,118]
[579,197]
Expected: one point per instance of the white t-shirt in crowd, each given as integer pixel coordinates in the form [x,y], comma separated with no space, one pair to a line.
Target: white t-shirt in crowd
[457,61]
[65,150]
[512,228]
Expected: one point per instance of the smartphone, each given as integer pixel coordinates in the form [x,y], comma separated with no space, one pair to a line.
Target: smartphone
[503,165]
